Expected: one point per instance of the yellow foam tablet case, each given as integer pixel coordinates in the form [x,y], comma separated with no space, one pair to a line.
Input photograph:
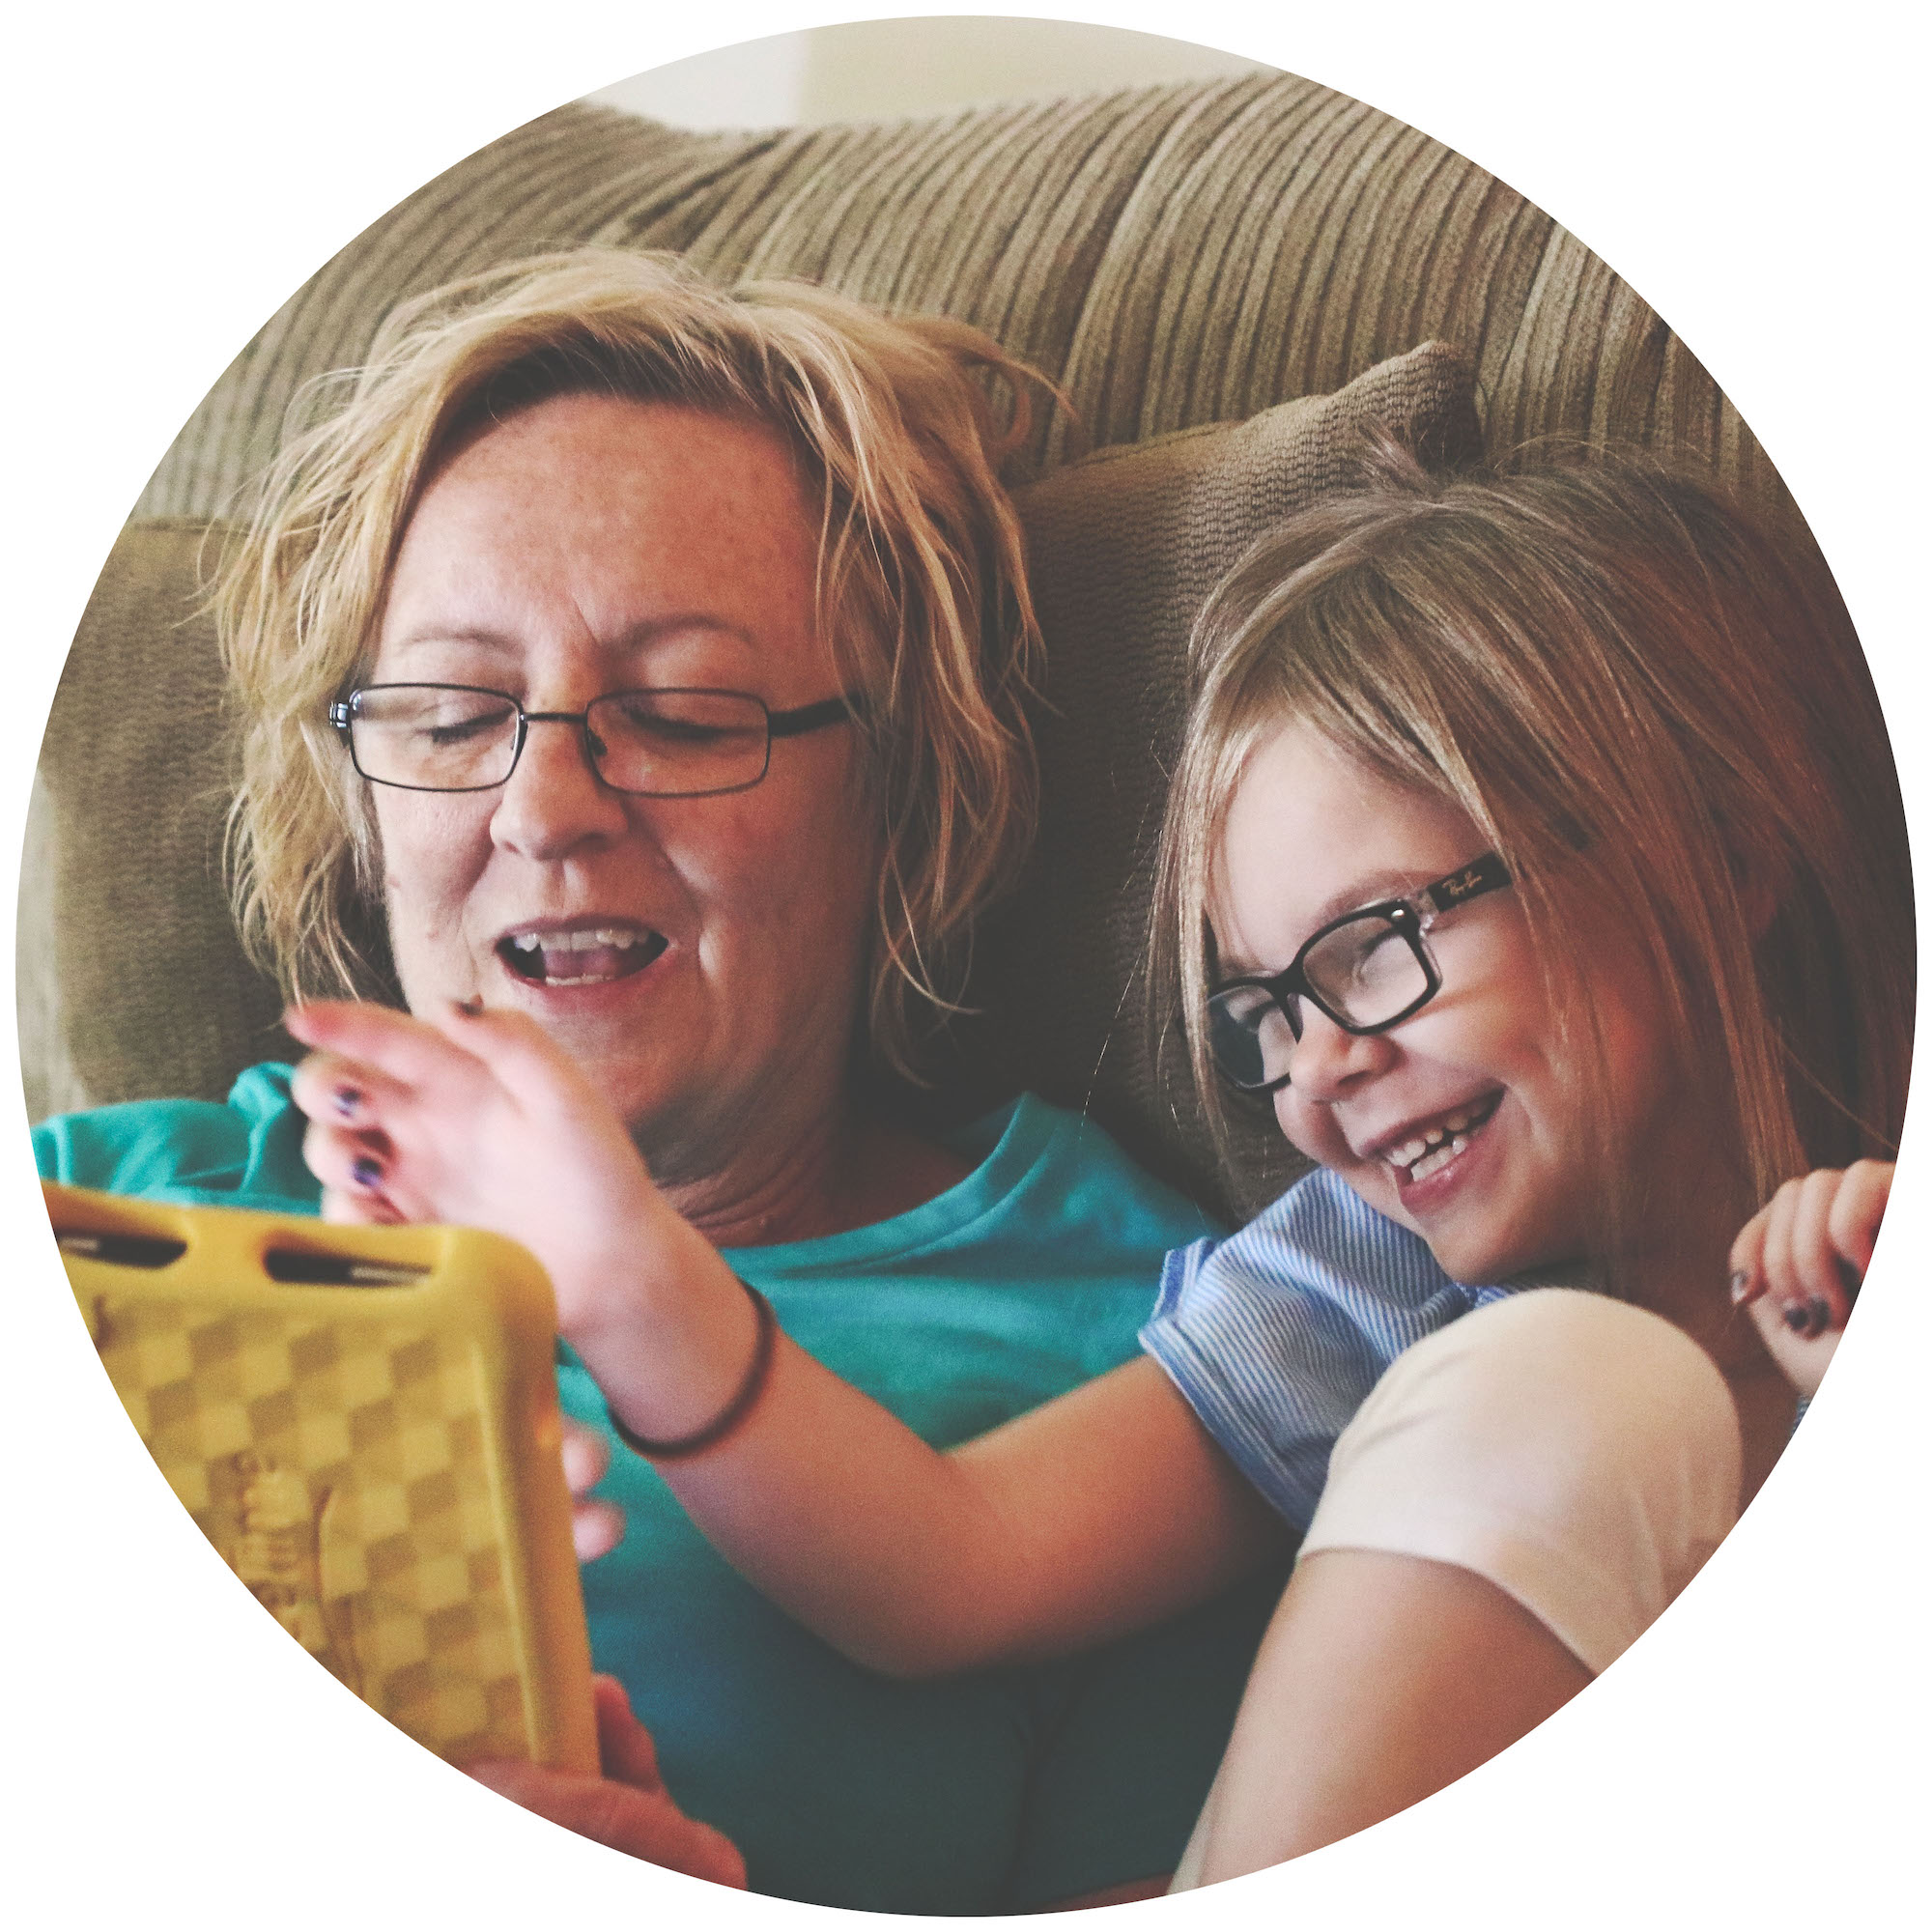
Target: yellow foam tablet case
[363,1421]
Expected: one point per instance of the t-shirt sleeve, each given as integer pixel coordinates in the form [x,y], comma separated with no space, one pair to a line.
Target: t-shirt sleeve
[245,1153]
[1276,1335]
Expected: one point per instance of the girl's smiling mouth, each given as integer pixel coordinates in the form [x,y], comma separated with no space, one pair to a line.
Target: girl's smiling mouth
[1428,1147]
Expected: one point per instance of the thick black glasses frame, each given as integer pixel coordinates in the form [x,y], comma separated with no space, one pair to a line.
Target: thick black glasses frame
[792,724]
[1410,920]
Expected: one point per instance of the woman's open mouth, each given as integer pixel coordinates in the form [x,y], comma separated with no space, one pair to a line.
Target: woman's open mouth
[588,956]
[1432,1147]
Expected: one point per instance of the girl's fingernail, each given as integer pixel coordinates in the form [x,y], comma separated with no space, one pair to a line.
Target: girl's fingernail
[1820,1312]
[470,1007]
[365,1170]
[1797,1317]
[346,1102]
[1741,1288]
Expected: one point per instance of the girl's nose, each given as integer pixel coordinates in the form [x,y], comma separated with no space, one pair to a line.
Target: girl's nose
[1330,1062]
[554,801]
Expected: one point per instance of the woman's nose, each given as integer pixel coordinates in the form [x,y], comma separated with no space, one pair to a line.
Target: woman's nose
[554,801]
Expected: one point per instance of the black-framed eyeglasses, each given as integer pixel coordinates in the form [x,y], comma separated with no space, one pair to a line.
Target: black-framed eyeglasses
[666,742]
[1367,971]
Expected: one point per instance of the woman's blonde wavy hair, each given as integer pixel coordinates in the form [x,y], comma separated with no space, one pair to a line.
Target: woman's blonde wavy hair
[920,581]
[1645,703]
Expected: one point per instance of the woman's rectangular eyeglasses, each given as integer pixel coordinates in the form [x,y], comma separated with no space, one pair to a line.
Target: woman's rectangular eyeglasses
[1367,971]
[670,743]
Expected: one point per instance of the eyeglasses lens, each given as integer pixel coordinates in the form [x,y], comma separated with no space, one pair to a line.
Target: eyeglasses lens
[434,737]
[1366,971]
[667,744]
[1253,1038]
[680,743]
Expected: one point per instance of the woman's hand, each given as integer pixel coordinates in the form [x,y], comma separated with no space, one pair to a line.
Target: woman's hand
[628,1809]
[1799,1258]
[596,1525]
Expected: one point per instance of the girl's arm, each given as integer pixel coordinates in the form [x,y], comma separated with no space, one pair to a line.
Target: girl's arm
[1100,1512]
[1799,1258]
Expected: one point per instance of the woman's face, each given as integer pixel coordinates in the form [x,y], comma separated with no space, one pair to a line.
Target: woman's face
[590,545]
[1312,834]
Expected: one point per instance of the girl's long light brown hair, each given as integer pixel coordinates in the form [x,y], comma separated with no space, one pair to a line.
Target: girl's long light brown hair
[1644,703]
[922,586]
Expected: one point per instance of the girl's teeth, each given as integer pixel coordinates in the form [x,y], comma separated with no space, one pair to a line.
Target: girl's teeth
[1437,1157]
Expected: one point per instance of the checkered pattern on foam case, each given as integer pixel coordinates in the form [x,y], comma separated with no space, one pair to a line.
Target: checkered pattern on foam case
[340,1470]
[356,1458]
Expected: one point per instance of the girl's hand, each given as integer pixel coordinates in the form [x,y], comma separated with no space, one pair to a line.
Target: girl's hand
[1799,1258]
[478,1120]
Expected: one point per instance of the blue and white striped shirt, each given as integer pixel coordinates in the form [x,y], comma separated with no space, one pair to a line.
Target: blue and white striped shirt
[1276,1335]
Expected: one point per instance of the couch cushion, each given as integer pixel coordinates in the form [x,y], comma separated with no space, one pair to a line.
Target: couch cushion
[134,985]
[1172,256]
[1124,549]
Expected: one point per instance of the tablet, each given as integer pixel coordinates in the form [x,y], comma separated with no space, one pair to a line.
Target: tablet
[364,1423]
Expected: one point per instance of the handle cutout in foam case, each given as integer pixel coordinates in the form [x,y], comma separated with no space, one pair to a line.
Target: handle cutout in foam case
[363,1421]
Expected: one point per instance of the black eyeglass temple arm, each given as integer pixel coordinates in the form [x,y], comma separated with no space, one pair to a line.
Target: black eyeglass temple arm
[1487,874]
[815,717]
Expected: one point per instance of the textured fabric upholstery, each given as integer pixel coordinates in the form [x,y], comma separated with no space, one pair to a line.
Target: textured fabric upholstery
[1174,257]
[1171,255]
[1124,547]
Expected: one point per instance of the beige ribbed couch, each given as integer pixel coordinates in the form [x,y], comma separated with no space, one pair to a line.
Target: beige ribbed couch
[1172,257]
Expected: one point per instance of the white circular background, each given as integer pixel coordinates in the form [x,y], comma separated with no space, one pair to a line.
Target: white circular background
[177,172]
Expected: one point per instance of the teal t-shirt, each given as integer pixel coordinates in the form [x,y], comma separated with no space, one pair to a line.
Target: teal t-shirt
[995,1790]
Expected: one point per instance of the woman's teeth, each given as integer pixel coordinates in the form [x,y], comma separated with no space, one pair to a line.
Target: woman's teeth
[581,958]
[1438,1145]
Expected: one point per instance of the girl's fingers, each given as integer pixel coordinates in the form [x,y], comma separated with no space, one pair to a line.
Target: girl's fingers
[412,1053]
[357,1209]
[525,1061]
[1820,1301]
[337,1089]
[1857,1210]
[1747,1261]
[1775,1256]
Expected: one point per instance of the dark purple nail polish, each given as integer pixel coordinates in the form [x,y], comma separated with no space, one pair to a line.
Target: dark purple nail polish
[348,1102]
[365,1170]
[1820,1312]
[1797,1317]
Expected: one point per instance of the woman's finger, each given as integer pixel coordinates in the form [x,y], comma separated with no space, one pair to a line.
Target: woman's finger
[586,1456]
[624,1748]
[596,1529]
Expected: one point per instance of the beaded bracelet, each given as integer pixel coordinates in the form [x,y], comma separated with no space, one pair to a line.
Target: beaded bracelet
[732,1413]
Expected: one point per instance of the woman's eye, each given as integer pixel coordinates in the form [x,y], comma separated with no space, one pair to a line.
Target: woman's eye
[461,731]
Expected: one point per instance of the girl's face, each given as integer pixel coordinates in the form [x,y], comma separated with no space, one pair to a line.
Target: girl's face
[1312,834]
